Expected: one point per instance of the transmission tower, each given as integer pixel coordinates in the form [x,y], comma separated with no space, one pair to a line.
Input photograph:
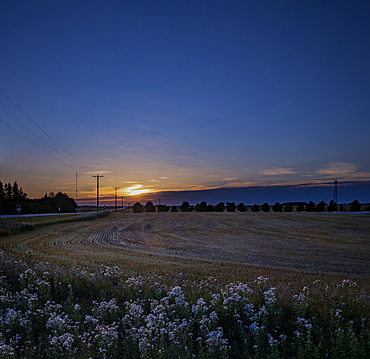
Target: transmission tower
[335,193]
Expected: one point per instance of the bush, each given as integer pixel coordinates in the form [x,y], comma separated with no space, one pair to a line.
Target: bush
[138,208]
[288,208]
[220,207]
[149,207]
[173,209]
[185,207]
[277,207]
[201,207]
[255,208]
[310,206]
[241,207]
[163,208]
[355,206]
[300,207]
[265,207]
[230,206]
[332,206]
[320,207]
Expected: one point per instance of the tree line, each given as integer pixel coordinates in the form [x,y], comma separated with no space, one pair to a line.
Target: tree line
[13,195]
[311,206]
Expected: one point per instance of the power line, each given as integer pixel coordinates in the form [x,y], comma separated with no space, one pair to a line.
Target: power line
[66,164]
[38,137]
[43,132]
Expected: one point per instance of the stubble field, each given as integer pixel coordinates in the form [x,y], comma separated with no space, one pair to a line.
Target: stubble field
[221,244]
[188,285]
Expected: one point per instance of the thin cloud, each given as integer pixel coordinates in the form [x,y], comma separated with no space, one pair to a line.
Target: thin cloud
[230,179]
[164,177]
[153,180]
[97,172]
[278,171]
[338,169]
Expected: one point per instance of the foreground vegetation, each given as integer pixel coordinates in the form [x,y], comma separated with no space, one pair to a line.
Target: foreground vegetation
[50,311]
[12,226]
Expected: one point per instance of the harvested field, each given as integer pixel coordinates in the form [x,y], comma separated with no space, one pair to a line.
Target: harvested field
[330,243]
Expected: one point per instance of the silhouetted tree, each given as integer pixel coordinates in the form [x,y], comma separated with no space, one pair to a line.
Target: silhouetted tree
[320,207]
[220,207]
[201,207]
[163,208]
[138,208]
[255,208]
[355,206]
[241,207]
[210,208]
[173,209]
[341,207]
[288,208]
[2,192]
[8,192]
[149,207]
[230,206]
[300,207]
[185,207]
[332,206]
[310,206]
[277,207]
[265,207]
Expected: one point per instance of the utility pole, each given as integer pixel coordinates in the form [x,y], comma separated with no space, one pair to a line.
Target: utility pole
[122,203]
[97,192]
[115,199]
[76,191]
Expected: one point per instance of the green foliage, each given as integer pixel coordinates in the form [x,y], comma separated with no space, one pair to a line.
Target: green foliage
[255,208]
[241,207]
[149,207]
[277,207]
[49,311]
[265,207]
[355,206]
[230,207]
[51,203]
[138,208]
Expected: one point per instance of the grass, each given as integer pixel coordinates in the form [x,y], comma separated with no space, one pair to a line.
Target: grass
[12,226]
[166,285]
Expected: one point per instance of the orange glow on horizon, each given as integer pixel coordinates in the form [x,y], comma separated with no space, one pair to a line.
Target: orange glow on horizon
[135,190]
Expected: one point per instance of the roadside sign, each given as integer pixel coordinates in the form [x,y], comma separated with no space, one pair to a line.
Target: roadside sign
[18,207]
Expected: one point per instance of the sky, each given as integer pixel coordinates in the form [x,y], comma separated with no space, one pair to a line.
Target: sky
[170,98]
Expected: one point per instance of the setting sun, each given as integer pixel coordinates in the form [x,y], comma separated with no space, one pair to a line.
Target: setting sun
[135,190]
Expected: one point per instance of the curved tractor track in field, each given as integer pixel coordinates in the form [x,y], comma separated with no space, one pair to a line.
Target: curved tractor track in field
[331,243]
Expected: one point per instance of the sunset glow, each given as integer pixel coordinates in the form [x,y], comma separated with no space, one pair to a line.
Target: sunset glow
[135,190]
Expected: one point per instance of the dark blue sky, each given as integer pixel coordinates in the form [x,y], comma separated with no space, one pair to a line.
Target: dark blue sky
[185,95]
